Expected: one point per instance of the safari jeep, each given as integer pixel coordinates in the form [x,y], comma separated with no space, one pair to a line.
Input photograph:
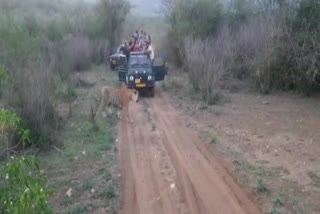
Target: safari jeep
[142,74]
[117,59]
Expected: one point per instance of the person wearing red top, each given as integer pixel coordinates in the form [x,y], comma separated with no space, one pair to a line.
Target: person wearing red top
[137,48]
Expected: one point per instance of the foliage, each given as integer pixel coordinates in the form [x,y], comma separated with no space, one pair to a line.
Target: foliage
[204,62]
[299,49]
[10,127]
[23,187]
[45,40]
[111,15]
[273,45]
[3,77]
[191,18]
[8,120]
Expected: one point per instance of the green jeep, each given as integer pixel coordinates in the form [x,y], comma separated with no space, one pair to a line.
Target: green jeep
[141,73]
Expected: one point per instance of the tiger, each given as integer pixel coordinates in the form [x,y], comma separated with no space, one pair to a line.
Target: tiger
[120,98]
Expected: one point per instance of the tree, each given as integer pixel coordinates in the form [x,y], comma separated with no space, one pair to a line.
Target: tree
[111,15]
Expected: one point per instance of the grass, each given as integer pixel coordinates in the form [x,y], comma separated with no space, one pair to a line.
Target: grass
[82,208]
[261,186]
[107,191]
[315,178]
[85,161]
[105,174]
[269,185]
[214,140]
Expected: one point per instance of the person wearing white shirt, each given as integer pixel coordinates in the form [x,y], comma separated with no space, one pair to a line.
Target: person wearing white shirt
[150,51]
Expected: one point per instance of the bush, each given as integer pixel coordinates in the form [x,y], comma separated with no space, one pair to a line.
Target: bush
[35,91]
[23,187]
[298,52]
[205,65]
[191,18]
[77,54]
[28,86]
[3,78]
[40,44]
[272,44]
[12,135]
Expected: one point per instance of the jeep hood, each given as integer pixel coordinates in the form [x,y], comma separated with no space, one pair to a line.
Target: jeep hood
[140,70]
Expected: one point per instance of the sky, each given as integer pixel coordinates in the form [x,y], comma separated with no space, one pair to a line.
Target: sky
[143,7]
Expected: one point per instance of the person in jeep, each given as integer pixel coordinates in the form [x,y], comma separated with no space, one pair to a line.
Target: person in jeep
[149,51]
[124,49]
[132,43]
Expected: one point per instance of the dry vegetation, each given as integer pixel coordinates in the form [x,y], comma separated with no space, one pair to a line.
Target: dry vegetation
[43,45]
[269,46]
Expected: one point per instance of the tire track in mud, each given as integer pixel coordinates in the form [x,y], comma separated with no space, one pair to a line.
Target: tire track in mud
[166,169]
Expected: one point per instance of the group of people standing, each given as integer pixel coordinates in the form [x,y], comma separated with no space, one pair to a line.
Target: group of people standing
[140,42]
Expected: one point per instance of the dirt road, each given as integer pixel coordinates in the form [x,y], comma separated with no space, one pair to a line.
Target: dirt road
[165,168]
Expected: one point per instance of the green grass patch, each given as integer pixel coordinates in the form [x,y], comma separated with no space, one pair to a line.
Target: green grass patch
[105,174]
[107,191]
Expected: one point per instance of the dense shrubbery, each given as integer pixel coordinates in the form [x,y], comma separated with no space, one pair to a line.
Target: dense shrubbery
[41,42]
[23,187]
[273,44]
[11,129]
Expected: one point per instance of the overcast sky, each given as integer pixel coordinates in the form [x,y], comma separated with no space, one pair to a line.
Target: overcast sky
[143,7]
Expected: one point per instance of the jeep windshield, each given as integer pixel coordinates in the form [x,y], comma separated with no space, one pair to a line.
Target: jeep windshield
[139,61]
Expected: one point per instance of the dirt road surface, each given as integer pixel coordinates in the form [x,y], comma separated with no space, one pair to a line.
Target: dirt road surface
[165,168]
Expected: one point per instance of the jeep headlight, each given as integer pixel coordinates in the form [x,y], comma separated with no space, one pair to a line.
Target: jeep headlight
[149,77]
[131,78]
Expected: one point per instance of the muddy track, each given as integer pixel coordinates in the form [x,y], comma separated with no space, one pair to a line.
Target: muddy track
[165,168]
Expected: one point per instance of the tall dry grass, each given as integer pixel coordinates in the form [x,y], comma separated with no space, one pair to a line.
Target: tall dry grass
[205,62]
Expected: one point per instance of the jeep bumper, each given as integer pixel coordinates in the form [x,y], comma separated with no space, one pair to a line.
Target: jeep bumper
[140,85]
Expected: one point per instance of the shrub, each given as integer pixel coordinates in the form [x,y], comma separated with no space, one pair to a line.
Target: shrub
[205,65]
[77,54]
[274,44]
[36,101]
[23,187]
[299,47]
[193,18]
[41,41]
[3,77]
[10,129]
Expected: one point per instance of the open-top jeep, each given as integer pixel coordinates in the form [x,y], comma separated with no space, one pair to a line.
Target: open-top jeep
[117,59]
[141,73]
